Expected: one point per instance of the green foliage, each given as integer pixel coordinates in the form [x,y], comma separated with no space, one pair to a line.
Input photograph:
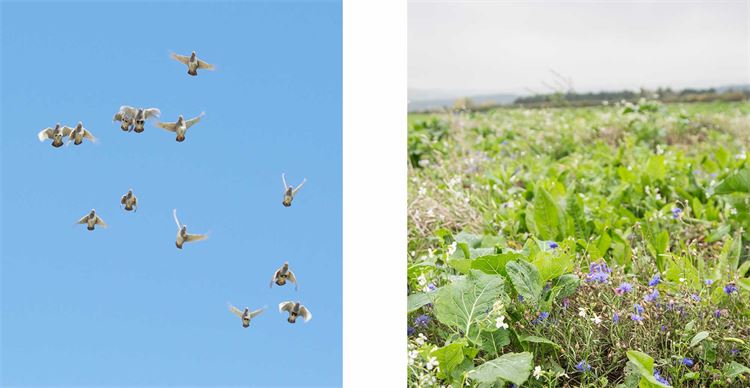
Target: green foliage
[512,367]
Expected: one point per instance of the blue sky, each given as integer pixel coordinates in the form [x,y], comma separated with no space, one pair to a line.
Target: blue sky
[123,306]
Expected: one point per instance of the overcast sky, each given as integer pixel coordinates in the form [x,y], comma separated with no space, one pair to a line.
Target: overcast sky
[504,46]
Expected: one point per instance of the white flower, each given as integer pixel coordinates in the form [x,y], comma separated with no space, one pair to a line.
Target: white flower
[741,156]
[422,191]
[733,211]
[421,339]
[430,213]
[581,312]
[596,319]
[413,356]
[452,248]
[537,372]
[431,363]
[682,280]
[500,322]
[421,280]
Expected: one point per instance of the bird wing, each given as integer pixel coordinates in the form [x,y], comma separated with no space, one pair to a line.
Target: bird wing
[88,135]
[171,127]
[128,111]
[151,112]
[305,313]
[235,310]
[118,117]
[292,279]
[83,219]
[286,306]
[299,187]
[195,237]
[257,312]
[275,275]
[283,180]
[45,134]
[174,214]
[205,65]
[66,130]
[100,222]
[180,58]
[191,122]
[122,200]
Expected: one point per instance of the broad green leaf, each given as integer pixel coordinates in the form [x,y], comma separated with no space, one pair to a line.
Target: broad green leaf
[655,167]
[416,301]
[461,265]
[546,215]
[449,356]
[738,182]
[471,240]
[525,279]
[567,285]
[495,264]
[537,340]
[467,300]
[698,338]
[513,367]
[734,369]
[494,341]
[552,264]
[645,366]
[574,210]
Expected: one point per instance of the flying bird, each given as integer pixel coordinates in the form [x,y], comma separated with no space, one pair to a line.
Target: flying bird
[295,309]
[79,133]
[193,63]
[181,126]
[129,200]
[126,117]
[282,275]
[246,315]
[182,235]
[56,134]
[136,117]
[91,220]
[290,191]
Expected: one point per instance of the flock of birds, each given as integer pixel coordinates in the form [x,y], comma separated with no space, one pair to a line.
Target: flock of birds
[134,119]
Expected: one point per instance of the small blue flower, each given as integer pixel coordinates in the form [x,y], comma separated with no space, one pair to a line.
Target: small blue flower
[654,281]
[583,366]
[565,303]
[598,272]
[623,288]
[552,244]
[676,212]
[636,317]
[542,316]
[638,308]
[431,287]
[687,362]
[652,296]
[734,351]
[717,313]
[520,298]
[616,318]
[709,282]
[663,328]
[422,320]
[659,378]
[695,297]
[730,288]
[410,331]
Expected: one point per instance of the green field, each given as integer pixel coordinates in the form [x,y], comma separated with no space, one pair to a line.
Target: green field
[597,246]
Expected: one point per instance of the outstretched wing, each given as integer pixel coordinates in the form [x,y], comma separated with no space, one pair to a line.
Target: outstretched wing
[66,130]
[195,237]
[118,117]
[292,279]
[273,279]
[257,312]
[286,306]
[100,222]
[180,58]
[151,112]
[299,187]
[127,111]
[205,65]
[305,313]
[122,200]
[283,180]
[171,127]
[45,134]
[174,214]
[83,219]
[88,135]
[235,310]
[191,122]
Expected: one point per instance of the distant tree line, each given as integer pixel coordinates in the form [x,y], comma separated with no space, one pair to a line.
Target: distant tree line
[666,95]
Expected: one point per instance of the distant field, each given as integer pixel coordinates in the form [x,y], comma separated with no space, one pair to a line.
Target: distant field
[596,246]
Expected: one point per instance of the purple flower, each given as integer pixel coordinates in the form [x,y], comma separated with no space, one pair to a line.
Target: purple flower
[616,318]
[422,320]
[730,288]
[410,331]
[695,297]
[659,378]
[636,317]
[709,282]
[654,281]
[676,212]
[520,298]
[687,362]
[431,287]
[598,272]
[542,316]
[623,288]
[638,308]
[565,303]
[583,366]
[652,296]
[547,286]
[552,244]
[717,313]
[734,352]
[663,328]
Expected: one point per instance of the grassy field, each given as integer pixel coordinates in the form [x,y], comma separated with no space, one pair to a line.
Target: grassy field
[596,246]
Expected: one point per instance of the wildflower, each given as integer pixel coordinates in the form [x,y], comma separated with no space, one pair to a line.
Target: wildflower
[730,288]
[638,308]
[709,282]
[421,339]
[520,298]
[695,297]
[659,378]
[410,331]
[616,317]
[596,319]
[652,296]
[500,322]
[717,313]
[565,303]
[542,316]
[582,312]
[552,244]
[413,356]
[734,351]
[687,362]
[636,317]
[676,213]
[598,272]
[623,288]
[733,211]
[431,363]
[663,328]
[421,280]
[430,287]
[537,372]
[583,366]
[654,281]
[422,191]
[452,248]
[422,320]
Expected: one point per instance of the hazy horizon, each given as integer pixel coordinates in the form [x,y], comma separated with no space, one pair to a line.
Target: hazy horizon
[484,47]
